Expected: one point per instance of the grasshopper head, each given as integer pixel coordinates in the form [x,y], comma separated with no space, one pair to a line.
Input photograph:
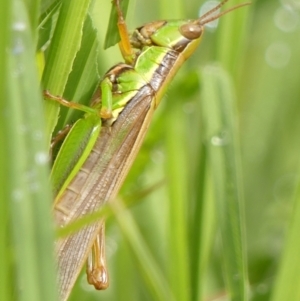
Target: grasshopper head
[181,35]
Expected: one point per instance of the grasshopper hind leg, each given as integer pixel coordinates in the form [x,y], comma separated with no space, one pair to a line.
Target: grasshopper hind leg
[97,272]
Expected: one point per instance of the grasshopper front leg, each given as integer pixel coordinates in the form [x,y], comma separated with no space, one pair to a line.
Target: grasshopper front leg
[102,110]
[124,45]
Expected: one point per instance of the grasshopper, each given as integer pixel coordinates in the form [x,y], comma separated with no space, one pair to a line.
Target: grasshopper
[105,142]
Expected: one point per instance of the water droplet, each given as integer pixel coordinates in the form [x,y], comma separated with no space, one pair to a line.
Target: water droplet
[34,186]
[17,195]
[262,289]
[207,6]
[286,19]
[38,135]
[19,26]
[30,175]
[41,158]
[18,46]
[292,3]
[23,128]
[157,156]
[220,139]
[18,71]
[278,55]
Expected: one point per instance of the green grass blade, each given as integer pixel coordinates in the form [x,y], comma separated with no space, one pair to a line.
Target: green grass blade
[205,227]
[84,78]
[202,220]
[178,195]
[64,46]
[47,5]
[219,114]
[27,187]
[286,286]
[151,272]
[5,258]
[231,38]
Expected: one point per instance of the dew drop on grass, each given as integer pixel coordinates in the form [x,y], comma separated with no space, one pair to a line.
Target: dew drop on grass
[18,71]
[262,289]
[23,129]
[19,26]
[18,46]
[41,158]
[17,195]
[291,3]
[220,139]
[157,156]
[286,19]
[278,55]
[38,135]
[34,186]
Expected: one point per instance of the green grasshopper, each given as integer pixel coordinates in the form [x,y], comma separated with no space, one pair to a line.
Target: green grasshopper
[98,151]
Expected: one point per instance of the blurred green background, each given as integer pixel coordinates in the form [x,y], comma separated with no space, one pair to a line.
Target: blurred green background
[214,187]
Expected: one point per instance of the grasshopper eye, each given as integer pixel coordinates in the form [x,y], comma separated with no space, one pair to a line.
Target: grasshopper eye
[191,31]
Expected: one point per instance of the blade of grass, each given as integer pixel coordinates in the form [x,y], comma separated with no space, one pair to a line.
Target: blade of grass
[231,38]
[203,224]
[177,177]
[206,236]
[5,259]
[224,157]
[199,202]
[84,77]
[151,272]
[47,5]
[286,286]
[47,22]
[27,184]
[125,277]
[64,46]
